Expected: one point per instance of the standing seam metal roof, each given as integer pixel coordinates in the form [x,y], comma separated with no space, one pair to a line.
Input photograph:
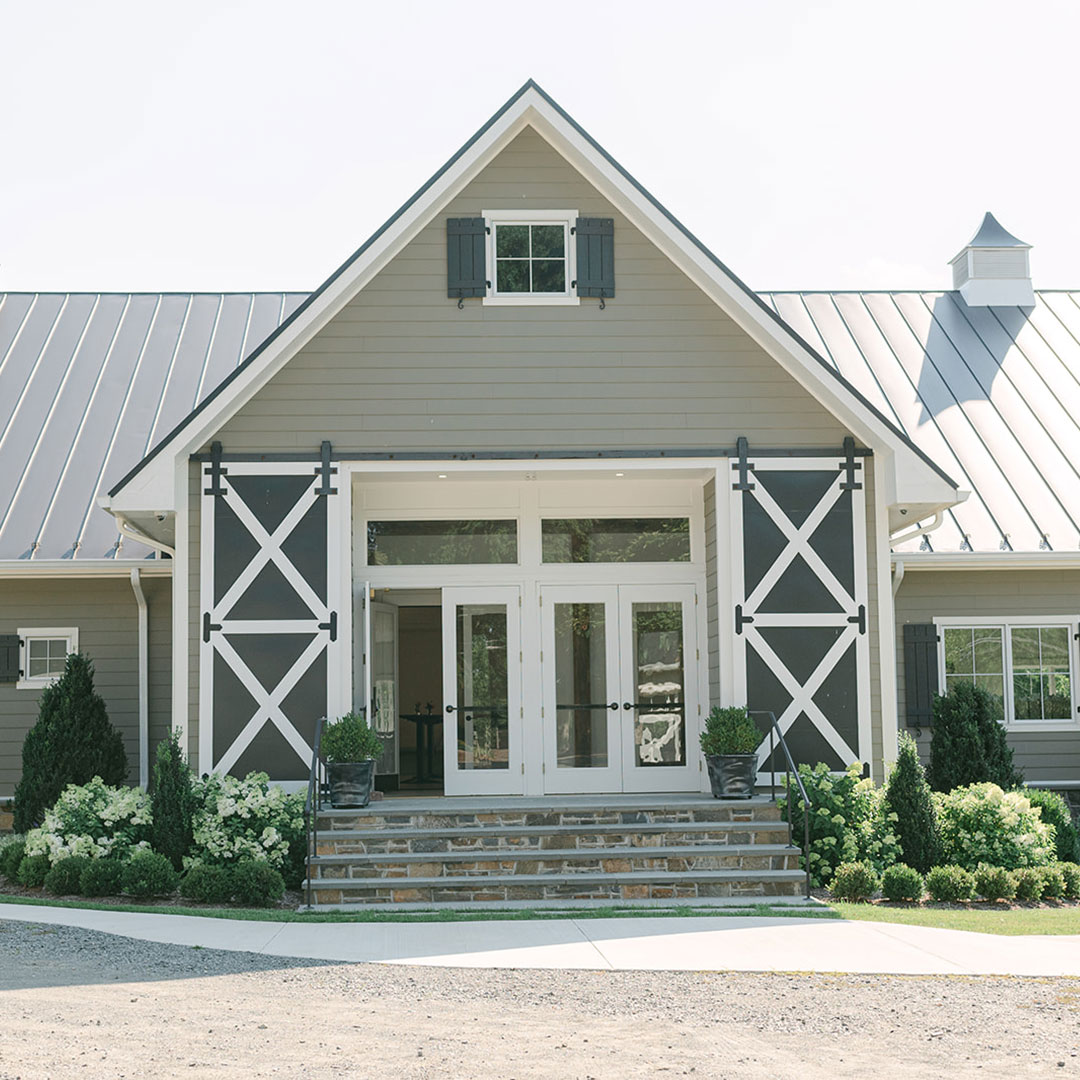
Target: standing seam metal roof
[89,382]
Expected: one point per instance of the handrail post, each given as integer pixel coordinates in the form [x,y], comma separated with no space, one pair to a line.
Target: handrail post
[311,807]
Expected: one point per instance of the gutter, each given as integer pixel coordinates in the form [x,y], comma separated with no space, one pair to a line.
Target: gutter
[144,681]
[82,568]
[988,560]
[132,533]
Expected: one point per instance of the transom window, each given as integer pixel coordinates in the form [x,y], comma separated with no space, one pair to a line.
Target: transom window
[43,652]
[441,543]
[1026,667]
[624,540]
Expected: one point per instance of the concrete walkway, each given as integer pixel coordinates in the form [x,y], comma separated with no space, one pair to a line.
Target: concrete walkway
[632,944]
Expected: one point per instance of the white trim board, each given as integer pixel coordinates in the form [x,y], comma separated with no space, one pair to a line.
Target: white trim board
[907,475]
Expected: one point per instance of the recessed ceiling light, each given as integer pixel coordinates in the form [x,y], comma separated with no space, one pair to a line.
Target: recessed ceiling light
[620,474]
[442,476]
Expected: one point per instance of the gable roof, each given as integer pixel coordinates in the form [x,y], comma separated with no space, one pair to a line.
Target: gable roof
[531,106]
[992,393]
[90,381]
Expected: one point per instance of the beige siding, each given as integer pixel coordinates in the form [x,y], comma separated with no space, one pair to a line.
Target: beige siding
[401,368]
[925,595]
[107,619]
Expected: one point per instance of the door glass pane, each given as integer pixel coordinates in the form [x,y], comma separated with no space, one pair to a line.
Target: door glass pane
[483,729]
[581,693]
[629,540]
[659,678]
[441,543]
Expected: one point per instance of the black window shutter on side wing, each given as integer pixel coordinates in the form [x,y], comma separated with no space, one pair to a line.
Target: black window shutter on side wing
[595,257]
[920,672]
[466,244]
[9,658]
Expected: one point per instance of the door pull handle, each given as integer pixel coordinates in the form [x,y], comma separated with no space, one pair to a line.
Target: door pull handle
[450,709]
[614,706]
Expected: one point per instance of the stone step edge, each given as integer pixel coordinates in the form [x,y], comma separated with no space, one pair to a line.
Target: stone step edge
[476,882]
[552,804]
[785,902]
[400,832]
[550,854]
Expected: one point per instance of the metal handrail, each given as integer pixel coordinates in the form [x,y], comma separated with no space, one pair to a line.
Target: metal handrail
[311,806]
[792,770]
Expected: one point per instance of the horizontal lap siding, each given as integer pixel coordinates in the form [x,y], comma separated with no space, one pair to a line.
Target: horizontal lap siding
[401,368]
[1008,594]
[107,619]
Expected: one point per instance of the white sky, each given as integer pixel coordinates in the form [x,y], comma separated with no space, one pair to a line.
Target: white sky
[228,145]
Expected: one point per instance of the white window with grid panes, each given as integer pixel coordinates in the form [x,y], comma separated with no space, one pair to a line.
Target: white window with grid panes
[531,257]
[43,652]
[1028,667]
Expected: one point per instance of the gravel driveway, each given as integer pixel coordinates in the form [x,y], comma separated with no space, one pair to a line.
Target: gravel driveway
[77,1002]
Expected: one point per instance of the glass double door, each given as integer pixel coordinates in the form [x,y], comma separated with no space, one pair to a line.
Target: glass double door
[619,674]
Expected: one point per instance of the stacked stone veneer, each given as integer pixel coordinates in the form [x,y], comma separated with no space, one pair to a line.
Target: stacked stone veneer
[379,857]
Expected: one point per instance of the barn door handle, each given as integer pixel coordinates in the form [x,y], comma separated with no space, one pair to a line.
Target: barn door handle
[207,626]
[331,626]
[860,619]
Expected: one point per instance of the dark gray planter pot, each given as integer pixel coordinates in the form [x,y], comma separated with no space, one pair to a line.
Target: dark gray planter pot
[732,776]
[350,783]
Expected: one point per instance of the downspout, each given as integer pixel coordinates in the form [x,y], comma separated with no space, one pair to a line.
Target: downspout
[132,533]
[144,681]
[919,530]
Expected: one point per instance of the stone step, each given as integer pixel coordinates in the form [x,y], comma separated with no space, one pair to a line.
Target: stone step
[539,837]
[567,861]
[635,885]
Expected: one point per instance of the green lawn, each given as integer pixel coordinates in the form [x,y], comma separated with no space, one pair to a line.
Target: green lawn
[982,920]
[436,914]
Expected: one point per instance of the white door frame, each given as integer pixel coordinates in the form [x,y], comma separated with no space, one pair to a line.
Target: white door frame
[458,781]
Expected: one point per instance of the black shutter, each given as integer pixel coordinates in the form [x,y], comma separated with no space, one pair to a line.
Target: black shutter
[920,672]
[595,256]
[466,244]
[9,658]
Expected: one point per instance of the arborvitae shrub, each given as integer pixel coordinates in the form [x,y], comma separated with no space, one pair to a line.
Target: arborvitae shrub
[968,745]
[907,795]
[257,883]
[1028,883]
[1071,873]
[32,871]
[1053,882]
[10,857]
[64,878]
[173,802]
[854,881]
[1055,811]
[71,743]
[207,884]
[994,883]
[102,878]
[149,873]
[900,882]
[950,884]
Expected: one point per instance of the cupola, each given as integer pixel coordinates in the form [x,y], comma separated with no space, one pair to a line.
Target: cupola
[992,269]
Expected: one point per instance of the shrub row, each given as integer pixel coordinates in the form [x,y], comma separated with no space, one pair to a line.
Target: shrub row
[953,884]
[146,874]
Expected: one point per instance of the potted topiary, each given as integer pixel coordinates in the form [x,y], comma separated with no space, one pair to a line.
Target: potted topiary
[728,742]
[350,748]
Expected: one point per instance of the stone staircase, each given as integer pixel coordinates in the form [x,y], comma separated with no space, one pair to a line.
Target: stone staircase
[573,848]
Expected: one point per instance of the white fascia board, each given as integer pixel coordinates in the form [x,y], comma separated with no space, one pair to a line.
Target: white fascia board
[906,476]
[987,560]
[78,568]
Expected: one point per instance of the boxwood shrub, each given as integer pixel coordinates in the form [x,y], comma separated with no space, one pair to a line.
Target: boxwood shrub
[900,882]
[11,854]
[950,884]
[256,883]
[63,879]
[1053,882]
[1029,883]
[1071,873]
[1055,811]
[207,884]
[994,882]
[855,881]
[149,873]
[32,871]
[102,878]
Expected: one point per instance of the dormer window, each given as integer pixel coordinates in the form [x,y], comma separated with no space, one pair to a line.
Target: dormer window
[531,255]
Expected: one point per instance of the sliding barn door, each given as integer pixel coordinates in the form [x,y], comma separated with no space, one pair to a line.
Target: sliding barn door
[801,622]
[270,650]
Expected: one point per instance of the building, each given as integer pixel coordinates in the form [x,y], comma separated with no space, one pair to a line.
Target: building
[535,479]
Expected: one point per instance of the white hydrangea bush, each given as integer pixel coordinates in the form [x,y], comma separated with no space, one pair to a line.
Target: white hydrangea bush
[983,824]
[245,819]
[93,820]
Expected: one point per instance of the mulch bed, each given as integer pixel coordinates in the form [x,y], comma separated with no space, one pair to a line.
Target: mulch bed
[289,902]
